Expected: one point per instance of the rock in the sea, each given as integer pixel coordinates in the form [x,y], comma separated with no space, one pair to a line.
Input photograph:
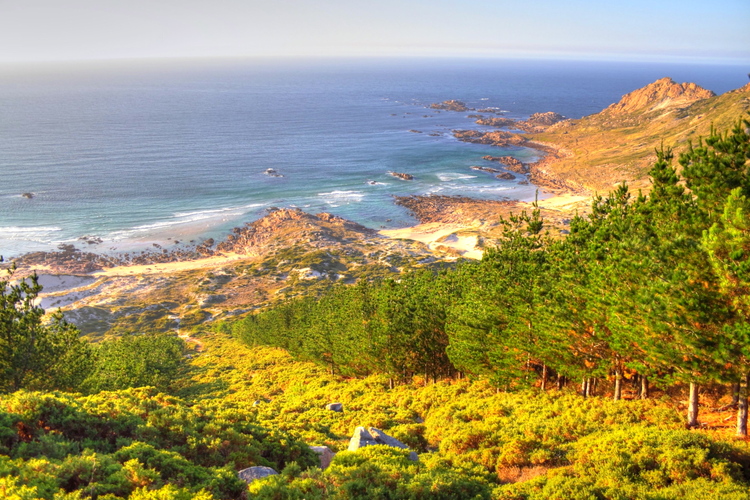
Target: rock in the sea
[28,195]
[368,437]
[325,454]
[486,169]
[258,472]
[271,172]
[451,105]
[402,176]
[339,407]
[506,176]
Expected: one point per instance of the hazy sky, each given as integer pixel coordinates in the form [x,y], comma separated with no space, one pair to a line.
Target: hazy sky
[36,30]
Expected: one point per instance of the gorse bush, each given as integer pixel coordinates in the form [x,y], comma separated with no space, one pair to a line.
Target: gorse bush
[507,445]
[114,443]
[258,406]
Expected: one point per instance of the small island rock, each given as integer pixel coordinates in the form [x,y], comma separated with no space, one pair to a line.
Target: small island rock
[451,105]
[402,176]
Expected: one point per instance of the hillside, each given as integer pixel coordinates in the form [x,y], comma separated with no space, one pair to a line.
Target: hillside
[236,407]
[597,152]
[550,368]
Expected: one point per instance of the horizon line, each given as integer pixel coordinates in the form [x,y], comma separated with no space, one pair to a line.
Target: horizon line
[540,56]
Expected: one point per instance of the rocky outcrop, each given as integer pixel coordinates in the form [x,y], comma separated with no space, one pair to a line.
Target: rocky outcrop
[545,119]
[451,209]
[337,407]
[661,95]
[271,172]
[368,437]
[283,225]
[506,176]
[512,164]
[451,105]
[497,122]
[538,122]
[402,176]
[325,454]
[253,473]
[486,169]
[496,138]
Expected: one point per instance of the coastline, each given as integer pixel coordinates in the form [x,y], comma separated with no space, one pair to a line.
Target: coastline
[455,225]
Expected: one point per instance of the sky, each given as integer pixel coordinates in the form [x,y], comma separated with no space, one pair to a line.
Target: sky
[658,30]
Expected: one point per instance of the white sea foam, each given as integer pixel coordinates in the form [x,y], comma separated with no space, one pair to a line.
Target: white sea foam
[218,211]
[448,177]
[494,189]
[184,218]
[337,198]
[32,233]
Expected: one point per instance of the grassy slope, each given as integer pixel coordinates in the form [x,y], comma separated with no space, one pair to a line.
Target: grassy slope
[525,444]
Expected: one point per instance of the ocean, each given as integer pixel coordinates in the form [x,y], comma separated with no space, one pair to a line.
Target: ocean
[142,152]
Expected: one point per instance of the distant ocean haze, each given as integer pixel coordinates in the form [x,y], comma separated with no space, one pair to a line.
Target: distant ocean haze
[138,153]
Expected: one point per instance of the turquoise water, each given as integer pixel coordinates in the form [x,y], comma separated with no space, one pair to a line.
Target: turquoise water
[136,153]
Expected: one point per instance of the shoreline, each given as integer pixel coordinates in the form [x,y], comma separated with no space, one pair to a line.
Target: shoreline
[453,224]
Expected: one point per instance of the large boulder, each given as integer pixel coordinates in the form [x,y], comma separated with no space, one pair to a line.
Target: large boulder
[252,473]
[368,437]
[338,407]
[325,454]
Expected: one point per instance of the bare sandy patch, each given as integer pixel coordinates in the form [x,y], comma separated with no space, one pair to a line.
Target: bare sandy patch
[436,234]
[171,267]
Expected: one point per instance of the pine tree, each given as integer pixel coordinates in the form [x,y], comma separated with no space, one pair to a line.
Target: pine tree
[33,354]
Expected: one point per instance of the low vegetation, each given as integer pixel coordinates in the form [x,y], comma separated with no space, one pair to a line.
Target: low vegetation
[477,368]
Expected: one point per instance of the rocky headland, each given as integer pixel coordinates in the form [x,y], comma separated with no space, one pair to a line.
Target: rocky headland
[595,153]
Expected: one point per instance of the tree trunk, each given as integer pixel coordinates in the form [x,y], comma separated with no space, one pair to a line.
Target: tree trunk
[585,387]
[736,393]
[560,382]
[618,385]
[644,387]
[692,415]
[390,383]
[742,407]
[544,377]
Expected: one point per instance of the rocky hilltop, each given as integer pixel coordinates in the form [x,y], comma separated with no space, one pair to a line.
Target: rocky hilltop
[285,225]
[661,95]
